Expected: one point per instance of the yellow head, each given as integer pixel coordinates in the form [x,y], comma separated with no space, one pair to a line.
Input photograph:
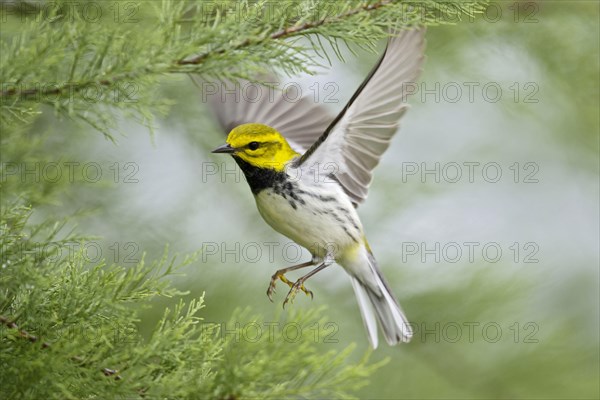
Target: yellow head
[259,145]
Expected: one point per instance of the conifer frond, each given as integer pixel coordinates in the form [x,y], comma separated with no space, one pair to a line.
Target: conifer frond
[84,67]
[70,330]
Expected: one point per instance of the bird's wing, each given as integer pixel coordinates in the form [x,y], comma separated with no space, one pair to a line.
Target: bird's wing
[354,142]
[300,121]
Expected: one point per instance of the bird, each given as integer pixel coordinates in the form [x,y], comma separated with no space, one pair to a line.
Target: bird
[309,171]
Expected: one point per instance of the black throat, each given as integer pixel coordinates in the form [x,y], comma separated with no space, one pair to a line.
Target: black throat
[260,178]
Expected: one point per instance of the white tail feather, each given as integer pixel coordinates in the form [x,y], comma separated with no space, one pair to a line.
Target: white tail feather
[366,311]
[376,300]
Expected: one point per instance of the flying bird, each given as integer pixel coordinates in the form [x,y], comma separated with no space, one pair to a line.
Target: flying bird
[309,171]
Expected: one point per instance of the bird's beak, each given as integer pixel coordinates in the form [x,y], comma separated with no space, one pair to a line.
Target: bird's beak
[226,148]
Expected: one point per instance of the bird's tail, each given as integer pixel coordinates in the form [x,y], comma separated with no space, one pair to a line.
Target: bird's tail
[375,300]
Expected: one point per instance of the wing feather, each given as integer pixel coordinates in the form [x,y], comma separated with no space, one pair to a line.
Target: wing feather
[361,133]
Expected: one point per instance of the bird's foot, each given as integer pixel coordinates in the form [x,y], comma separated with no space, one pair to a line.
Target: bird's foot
[277,276]
[280,276]
[294,289]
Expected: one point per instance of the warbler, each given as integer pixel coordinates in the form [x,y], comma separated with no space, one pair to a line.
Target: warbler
[309,171]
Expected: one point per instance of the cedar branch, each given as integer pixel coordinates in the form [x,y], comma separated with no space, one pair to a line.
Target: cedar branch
[197,60]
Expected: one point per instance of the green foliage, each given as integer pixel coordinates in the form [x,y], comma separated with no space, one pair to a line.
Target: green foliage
[87,64]
[76,335]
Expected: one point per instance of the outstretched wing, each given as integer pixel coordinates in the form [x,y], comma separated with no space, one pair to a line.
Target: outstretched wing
[360,134]
[301,121]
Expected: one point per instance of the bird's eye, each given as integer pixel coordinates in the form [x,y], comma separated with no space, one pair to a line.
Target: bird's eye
[253,145]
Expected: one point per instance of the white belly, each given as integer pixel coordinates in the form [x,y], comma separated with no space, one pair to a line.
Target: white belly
[316,222]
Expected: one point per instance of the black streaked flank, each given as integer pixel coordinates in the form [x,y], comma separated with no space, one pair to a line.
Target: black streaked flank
[339,219]
[349,217]
[324,199]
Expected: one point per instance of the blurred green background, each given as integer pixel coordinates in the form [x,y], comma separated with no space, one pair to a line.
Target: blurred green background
[515,93]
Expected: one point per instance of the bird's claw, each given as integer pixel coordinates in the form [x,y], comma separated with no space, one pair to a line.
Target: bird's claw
[277,276]
[307,292]
[294,289]
[270,291]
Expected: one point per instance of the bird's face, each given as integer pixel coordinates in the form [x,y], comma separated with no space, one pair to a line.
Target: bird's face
[259,145]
